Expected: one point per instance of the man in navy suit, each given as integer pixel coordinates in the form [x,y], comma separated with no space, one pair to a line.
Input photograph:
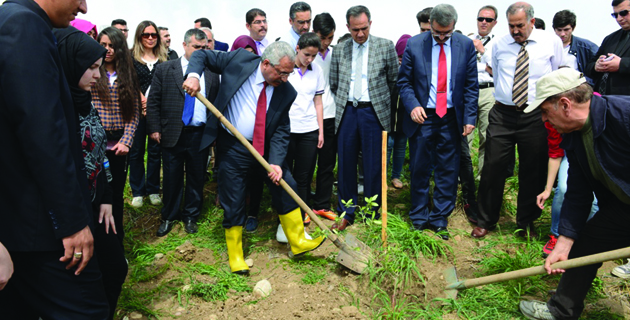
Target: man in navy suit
[439,88]
[176,121]
[250,86]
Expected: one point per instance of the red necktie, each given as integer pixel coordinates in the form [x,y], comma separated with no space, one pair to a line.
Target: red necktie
[261,117]
[440,104]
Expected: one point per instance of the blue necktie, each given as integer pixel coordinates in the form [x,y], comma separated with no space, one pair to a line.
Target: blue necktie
[189,109]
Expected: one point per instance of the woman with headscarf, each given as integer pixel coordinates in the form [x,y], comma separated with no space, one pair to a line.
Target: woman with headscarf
[87,27]
[148,51]
[116,96]
[245,42]
[81,58]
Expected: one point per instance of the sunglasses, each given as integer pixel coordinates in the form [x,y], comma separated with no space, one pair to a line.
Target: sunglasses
[149,35]
[622,13]
[488,20]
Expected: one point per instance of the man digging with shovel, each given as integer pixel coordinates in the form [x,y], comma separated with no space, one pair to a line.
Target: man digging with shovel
[255,97]
[597,143]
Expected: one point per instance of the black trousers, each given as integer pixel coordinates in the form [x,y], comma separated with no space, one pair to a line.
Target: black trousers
[118,168]
[41,287]
[326,161]
[607,230]
[185,153]
[236,166]
[467,174]
[507,129]
[301,159]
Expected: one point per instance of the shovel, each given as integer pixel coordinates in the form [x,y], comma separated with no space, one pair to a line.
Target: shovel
[453,284]
[354,254]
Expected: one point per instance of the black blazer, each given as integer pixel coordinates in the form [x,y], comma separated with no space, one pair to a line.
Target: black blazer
[235,67]
[43,189]
[618,83]
[165,104]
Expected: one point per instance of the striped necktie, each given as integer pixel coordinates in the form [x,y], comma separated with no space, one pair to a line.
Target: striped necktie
[521,76]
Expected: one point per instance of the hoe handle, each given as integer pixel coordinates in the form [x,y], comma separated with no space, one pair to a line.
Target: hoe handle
[331,235]
[567,264]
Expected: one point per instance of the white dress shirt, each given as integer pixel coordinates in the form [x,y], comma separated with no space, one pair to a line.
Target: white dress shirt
[291,38]
[328,99]
[483,60]
[261,45]
[545,55]
[241,110]
[199,115]
[365,96]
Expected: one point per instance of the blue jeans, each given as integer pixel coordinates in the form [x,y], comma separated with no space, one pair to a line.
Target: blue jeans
[397,142]
[558,197]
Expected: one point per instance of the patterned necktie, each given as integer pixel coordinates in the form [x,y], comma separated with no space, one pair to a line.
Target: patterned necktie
[189,109]
[358,76]
[521,76]
[440,103]
[261,117]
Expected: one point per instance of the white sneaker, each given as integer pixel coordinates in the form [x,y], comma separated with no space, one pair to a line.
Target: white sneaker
[622,271]
[155,199]
[282,238]
[136,202]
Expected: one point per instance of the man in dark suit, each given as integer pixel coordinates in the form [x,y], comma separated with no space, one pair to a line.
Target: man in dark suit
[362,77]
[46,210]
[439,88]
[610,67]
[250,86]
[176,121]
[218,45]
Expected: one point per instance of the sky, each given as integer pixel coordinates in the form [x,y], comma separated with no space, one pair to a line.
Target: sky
[390,19]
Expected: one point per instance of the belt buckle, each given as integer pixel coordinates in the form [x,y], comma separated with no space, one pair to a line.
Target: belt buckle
[355,103]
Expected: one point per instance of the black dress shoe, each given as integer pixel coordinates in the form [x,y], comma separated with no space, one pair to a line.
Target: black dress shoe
[442,232]
[165,228]
[191,226]
[420,227]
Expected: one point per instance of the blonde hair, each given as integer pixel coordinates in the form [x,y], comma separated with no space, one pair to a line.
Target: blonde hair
[138,49]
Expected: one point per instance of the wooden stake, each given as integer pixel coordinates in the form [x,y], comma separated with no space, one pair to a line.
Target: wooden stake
[384,190]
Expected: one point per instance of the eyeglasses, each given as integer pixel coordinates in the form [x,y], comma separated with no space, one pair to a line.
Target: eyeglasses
[124,30]
[488,20]
[303,21]
[441,34]
[283,74]
[622,13]
[259,22]
[149,35]
[197,47]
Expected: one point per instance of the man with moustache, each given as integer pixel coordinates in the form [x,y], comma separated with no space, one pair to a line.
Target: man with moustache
[166,39]
[46,211]
[256,24]
[300,20]
[610,67]
[519,59]
[363,96]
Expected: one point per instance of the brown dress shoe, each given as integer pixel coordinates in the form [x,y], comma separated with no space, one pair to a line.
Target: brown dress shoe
[340,226]
[397,183]
[479,232]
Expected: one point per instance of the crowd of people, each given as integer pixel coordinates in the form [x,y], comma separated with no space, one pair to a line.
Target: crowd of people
[80,108]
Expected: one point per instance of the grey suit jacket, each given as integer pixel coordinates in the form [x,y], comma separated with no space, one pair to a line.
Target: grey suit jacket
[165,104]
[382,76]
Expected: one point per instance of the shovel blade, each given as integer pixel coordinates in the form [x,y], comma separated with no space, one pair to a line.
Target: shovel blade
[355,255]
[450,275]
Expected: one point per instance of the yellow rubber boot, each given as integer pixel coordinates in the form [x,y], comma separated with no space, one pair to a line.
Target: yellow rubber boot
[293,226]
[234,240]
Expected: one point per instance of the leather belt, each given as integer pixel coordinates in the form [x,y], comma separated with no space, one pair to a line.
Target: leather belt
[360,104]
[192,128]
[486,85]
[515,108]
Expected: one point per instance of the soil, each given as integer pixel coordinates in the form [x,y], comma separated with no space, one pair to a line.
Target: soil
[291,299]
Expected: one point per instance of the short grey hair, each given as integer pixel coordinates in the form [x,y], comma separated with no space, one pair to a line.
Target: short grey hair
[298,7]
[443,14]
[515,7]
[278,50]
[357,11]
[207,29]
[199,35]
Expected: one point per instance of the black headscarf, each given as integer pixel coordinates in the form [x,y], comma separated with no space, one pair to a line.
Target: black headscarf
[78,52]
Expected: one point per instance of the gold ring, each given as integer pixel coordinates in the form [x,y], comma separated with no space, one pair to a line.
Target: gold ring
[78,255]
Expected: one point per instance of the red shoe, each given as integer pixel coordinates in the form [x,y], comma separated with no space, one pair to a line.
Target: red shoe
[549,246]
[326,213]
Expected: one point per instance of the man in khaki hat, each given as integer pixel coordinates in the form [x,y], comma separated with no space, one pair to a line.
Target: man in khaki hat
[597,143]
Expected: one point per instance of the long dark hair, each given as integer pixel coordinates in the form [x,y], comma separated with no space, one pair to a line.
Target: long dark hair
[138,49]
[128,87]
